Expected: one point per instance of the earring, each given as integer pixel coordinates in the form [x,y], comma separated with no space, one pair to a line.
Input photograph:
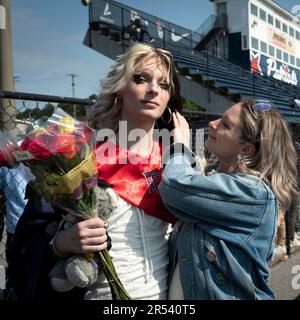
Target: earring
[115,106]
[239,157]
[170,116]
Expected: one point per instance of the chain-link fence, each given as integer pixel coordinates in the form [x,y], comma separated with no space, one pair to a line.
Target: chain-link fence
[18,110]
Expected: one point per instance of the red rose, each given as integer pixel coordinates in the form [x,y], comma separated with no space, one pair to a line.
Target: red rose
[36,147]
[38,150]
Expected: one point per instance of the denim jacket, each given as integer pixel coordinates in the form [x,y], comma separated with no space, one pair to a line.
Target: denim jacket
[224,236]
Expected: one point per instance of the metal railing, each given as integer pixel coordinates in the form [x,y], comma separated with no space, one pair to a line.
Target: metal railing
[13,107]
[212,22]
[195,118]
[24,102]
[164,33]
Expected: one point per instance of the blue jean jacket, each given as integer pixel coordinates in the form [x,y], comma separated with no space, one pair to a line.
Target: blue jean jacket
[224,237]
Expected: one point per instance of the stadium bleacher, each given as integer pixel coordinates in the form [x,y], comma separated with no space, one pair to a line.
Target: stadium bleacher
[206,69]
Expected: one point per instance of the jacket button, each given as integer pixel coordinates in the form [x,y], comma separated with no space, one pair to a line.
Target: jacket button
[220,278]
[211,256]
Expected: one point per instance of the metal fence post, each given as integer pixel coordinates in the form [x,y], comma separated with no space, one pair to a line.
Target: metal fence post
[8,109]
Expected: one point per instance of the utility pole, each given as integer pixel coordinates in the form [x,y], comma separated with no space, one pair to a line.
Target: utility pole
[7,107]
[72,75]
[15,80]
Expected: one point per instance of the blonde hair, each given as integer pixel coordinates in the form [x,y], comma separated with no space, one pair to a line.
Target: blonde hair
[275,158]
[107,109]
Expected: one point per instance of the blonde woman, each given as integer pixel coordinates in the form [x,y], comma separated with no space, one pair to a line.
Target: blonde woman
[140,93]
[224,236]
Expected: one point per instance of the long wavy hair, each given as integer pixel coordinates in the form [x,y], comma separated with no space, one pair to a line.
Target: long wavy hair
[275,158]
[107,109]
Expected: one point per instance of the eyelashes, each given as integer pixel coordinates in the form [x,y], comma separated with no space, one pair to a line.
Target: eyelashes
[139,79]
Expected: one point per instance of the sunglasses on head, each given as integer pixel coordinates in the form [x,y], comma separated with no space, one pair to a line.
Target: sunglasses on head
[262,105]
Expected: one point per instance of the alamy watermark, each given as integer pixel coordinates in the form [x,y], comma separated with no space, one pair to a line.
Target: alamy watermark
[2,18]
[123,138]
[296,278]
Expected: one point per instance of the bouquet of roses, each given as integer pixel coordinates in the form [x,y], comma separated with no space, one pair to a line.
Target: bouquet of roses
[60,154]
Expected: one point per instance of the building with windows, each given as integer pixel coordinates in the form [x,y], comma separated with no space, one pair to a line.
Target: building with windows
[260,35]
[237,53]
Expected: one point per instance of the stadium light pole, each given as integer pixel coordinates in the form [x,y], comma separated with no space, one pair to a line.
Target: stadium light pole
[72,75]
[8,110]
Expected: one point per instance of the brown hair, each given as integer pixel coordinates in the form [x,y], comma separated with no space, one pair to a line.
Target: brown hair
[275,158]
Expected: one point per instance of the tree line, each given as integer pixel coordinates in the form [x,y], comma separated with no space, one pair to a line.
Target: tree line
[47,110]
[81,110]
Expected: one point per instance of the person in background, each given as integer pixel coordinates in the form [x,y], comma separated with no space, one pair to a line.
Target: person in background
[144,31]
[141,28]
[140,93]
[130,31]
[223,239]
[13,183]
[138,28]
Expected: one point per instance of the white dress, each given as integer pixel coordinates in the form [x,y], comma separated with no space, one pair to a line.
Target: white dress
[139,252]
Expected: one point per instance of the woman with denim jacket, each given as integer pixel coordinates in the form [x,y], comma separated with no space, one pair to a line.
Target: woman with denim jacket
[224,236]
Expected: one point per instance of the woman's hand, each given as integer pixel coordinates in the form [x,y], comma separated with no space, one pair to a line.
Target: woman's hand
[181,132]
[84,237]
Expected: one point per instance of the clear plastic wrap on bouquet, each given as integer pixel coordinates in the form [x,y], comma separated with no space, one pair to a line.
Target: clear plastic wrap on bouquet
[60,152]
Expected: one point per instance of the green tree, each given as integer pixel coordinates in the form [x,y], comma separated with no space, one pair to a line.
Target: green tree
[48,109]
[93,96]
[36,113]
[24,114]
[187,104]
[69,108]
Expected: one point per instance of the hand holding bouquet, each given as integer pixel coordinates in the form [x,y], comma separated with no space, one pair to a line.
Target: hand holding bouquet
[60,153]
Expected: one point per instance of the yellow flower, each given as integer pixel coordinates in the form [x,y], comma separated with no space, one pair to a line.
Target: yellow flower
[66,125]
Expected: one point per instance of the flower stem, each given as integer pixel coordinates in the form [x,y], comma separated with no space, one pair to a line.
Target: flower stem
[117,289]
[59,166]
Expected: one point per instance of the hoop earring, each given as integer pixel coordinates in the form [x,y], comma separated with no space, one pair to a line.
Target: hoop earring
[170,116]
[115,106]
